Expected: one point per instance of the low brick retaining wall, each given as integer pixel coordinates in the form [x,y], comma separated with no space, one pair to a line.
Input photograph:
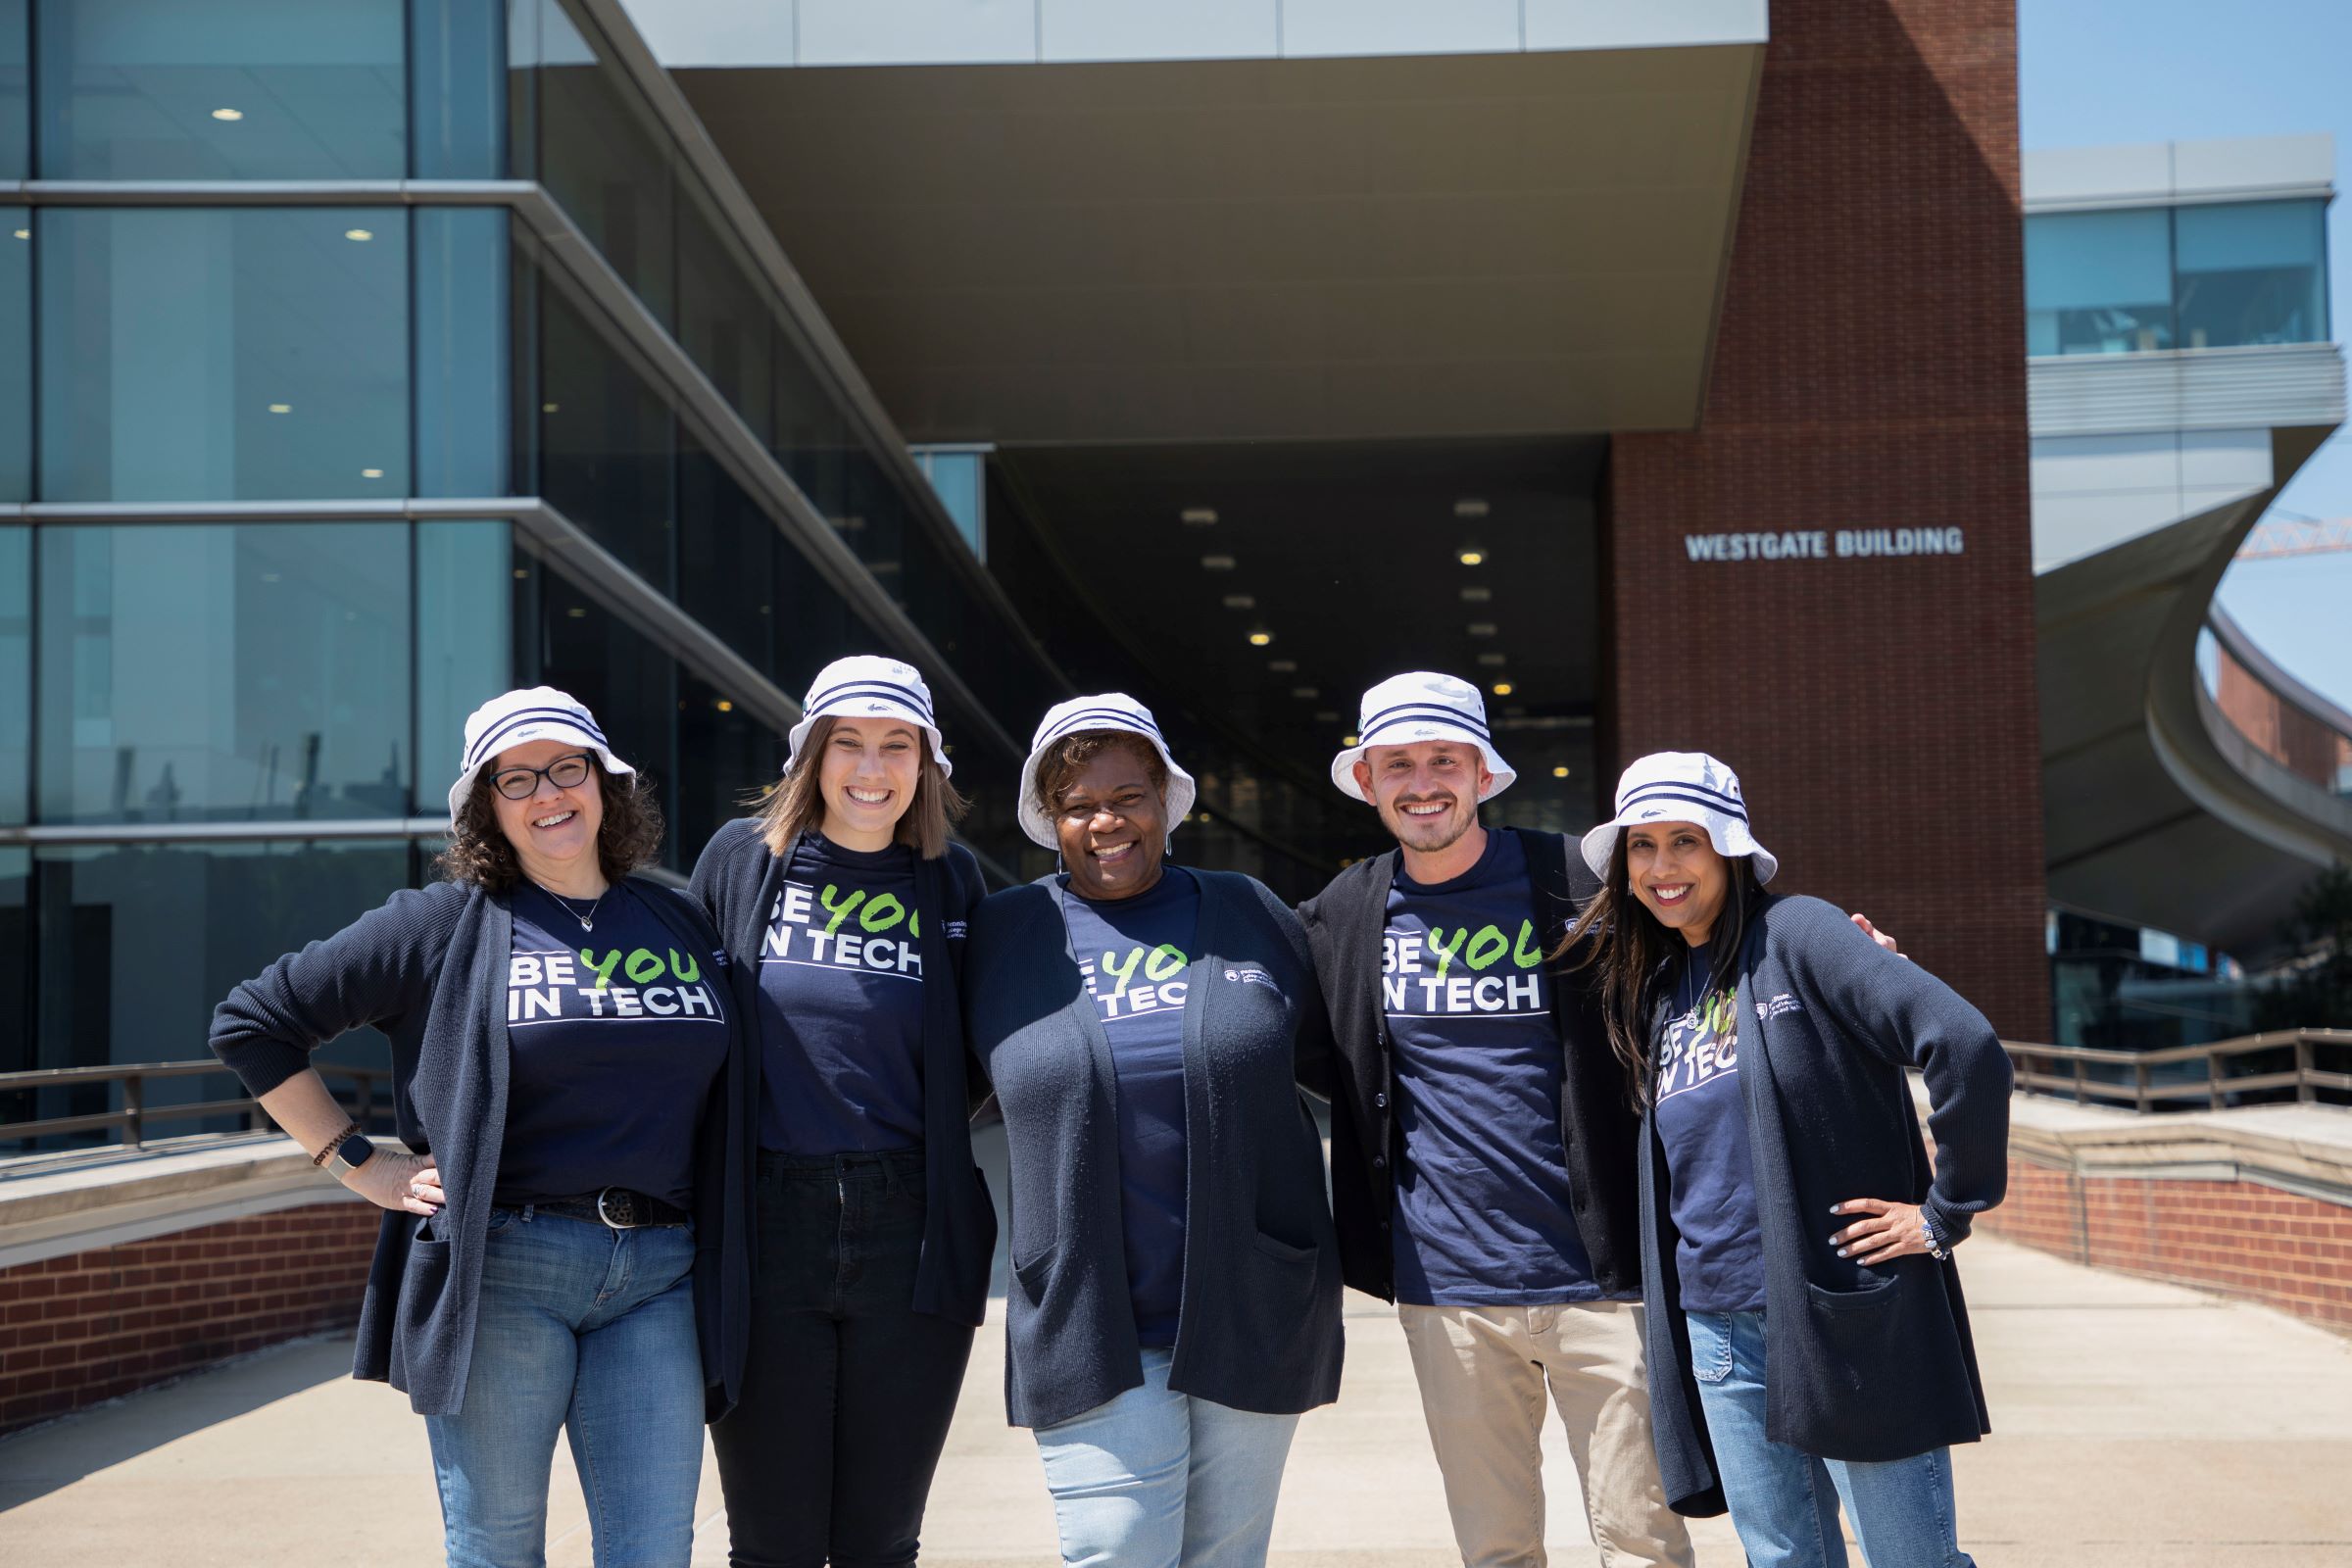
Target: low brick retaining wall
[2256,1202]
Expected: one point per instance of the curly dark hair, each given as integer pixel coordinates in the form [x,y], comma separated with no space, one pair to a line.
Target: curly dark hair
[1064,760]
[629,840]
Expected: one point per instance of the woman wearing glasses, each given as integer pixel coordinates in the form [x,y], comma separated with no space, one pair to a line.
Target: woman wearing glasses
[563,1245]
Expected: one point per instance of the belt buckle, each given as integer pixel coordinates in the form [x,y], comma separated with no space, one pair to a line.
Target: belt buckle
[610,1223]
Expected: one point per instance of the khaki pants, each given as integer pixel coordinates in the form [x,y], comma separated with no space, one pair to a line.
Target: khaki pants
[1483,1372]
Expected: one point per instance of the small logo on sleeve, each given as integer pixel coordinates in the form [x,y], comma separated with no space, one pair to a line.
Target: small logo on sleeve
[1777,1006]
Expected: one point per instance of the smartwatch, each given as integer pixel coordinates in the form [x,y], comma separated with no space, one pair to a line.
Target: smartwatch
[349,1155]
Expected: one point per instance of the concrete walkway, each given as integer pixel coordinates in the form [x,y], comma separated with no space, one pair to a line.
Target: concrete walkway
[2138,1423]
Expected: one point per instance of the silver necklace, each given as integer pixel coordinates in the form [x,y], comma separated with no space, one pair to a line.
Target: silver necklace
[588,920]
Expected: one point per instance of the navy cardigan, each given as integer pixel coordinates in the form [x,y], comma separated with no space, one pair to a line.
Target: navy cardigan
[429,968]
[1260,1324]
[1860,1364]
[738,881]
[1598,1129]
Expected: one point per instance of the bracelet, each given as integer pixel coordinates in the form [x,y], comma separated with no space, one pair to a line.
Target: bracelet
[319,1160]
[1928,1233]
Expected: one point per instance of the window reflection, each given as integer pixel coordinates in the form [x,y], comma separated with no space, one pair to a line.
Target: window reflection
[2098,282]
[465,581]
[2252,272]
[15,677]
[598,150]
[2225,276]
[604,441]
[236,89]
[16,354]
[138,943]
[254,354]
[200,673]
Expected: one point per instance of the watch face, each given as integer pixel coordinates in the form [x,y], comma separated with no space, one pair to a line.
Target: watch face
[355,1150]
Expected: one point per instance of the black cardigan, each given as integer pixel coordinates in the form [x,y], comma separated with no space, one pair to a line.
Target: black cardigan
[738,881]
[1260,1324]
[429,968]
[1860,1364]
[1598,1130]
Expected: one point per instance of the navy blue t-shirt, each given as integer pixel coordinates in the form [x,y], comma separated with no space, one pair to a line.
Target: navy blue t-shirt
[1719,1239]
[614,1037]
[1133,952]
[1483,1195]
[841,1004]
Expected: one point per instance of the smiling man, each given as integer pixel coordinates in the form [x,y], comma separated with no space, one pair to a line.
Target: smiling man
[1483,1143]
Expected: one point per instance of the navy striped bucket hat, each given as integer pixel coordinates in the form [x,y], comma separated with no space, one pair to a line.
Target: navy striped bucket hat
[1682,787]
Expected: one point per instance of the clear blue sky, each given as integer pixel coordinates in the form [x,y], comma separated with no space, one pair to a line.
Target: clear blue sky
[2094,72]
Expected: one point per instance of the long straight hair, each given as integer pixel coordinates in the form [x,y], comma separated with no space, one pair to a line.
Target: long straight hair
[1628,947]
[797,806]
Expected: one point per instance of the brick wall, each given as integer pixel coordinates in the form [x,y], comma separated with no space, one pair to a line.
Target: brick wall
[2238,1237]
[85,1327]
[1869,372]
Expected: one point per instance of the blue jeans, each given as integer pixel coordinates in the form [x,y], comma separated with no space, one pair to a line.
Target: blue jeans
[1155,1479]
[1784,1503]
[590,1331]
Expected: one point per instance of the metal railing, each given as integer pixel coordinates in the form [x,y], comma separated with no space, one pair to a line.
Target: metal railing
[2139,1082]
[135,1114]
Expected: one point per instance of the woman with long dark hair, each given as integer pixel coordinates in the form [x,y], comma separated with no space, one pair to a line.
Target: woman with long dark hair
[563,1243]
[1807,1336]
[843,905]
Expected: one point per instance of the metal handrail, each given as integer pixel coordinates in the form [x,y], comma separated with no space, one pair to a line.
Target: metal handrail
[2305,1078]
[133,1119]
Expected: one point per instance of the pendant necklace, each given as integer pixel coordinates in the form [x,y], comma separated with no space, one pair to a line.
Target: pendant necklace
[588,920]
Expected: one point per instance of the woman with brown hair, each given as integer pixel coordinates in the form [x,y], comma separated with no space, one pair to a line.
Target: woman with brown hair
[564,1242]
[843,906]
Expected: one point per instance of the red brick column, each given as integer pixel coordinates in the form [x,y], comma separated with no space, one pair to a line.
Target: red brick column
[85,1327]
[1869,373]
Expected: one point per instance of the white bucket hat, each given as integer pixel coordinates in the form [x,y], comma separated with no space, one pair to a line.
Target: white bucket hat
[1422,705]
[869,686]
[1682,787]
[1110,711]
[518,717]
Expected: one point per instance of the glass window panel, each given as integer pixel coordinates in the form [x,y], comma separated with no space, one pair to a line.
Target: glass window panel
[16,98]
[16,676]
[604,441]
[16,354]
[462,345]
[457,87]
[2098,282]
[253,354]
[723,315]
[628,683]
[248,672]
[2252,272]
[603,155]
[726,557]
[465,599]
[236,89]
[139,942]
[725,758]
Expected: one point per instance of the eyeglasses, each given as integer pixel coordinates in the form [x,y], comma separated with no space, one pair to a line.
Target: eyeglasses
[521,783]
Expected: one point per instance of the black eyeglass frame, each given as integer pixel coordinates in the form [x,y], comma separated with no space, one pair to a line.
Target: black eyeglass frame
[499,778]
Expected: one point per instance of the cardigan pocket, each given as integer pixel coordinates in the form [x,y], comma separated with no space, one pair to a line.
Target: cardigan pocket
[1275,1247]
[1878,1293]
[1032,1272]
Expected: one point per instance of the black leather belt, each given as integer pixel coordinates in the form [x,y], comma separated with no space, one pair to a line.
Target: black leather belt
[617,1208]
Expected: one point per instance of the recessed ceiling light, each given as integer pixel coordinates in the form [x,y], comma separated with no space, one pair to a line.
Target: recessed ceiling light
[271,576]
[522,572]
[1477,595]
[1240,602]
[1501,688]
[23,233]
[1493,659]
[1327,715]
[1216,562]
[1469,506]
[1199,517]
[1306,693]
[1349,740]
[1482,629]
[281,408]
[548,408]
[1559,772]
[724,705]
[228,114]
[1283,666]
[1261,637]
[372,474]
[361,234]
[1471,556]
[577,613]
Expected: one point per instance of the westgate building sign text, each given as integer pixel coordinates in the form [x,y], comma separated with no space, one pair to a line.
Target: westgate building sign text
[1824,544]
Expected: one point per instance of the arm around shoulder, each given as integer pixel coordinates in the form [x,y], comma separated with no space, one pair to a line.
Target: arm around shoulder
[379,967]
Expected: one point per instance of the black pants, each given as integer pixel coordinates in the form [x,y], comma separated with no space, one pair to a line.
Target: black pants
[828,1454]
